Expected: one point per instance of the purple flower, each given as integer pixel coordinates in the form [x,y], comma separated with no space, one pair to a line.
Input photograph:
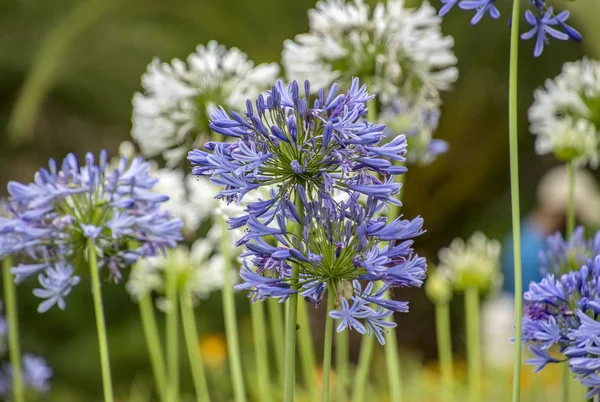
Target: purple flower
[542,27]
[284,141]
[482,6]
[54,217]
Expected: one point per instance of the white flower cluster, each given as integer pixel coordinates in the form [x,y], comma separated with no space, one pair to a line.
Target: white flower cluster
[199,268]
[418,122]
[179,97]
[397,51]
[475,263]
[565,115]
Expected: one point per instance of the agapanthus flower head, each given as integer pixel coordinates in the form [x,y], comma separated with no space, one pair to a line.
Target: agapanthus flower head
[291,146]
[564,313]
[438,288]
[339,245]
[400,51]
[418,121]
[544,22]
[565,115]
[562,256]
[179,97]
[57,215]
[474,263]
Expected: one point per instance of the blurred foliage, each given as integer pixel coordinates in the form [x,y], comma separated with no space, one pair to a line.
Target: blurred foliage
[82,62]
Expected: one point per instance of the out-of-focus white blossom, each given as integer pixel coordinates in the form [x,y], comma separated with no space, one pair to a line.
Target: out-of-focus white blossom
[475,263]
[418,122]
[398,51]
[565,115]
[173,112]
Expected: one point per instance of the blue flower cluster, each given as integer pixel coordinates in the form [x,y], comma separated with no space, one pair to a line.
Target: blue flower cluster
[307,156]
[53,219]
[565,313]
[562,256]
[544,23]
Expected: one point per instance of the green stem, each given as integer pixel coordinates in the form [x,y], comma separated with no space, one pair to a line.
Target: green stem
[444,344]
[291,319]
[277,335]
[364,363]
[172,321]
[306,351]
[392,360]
[513,128]
[100,324]
[328,343]
[473,343]
[231,330]
[190,333]
[566,380]
[342,348]
[48,62]
[571,200]
[154,347]
[10,300]
[260,350]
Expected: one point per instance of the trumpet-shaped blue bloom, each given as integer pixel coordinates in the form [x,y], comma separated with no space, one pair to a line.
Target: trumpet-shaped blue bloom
[544,23]
[564,313]
[340,244]
[54,217]
[562,256]
[283,141]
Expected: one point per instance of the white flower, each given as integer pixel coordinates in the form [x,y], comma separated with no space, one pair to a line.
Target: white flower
[418,122]
[396,50]
[200,270]
[475,263]
[179,97]
[566,112]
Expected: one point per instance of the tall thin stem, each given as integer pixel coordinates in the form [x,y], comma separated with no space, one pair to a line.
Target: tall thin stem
[514,192]
[10,300]
[291,319]
[328,343]
[444,344]
[277,335]
[260,350]
[172,322]
[231,330]
[100,324]
[157,359]
[473,343]
[392,360]
[342,349]
[571,199]
[190,333]
[306,351]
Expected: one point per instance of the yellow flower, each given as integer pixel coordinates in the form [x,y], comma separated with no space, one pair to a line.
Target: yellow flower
[214,349]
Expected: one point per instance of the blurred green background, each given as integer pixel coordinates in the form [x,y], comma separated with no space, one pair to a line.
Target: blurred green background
[79,63]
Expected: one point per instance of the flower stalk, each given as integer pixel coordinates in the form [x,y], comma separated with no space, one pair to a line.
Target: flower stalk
[190,333]
[306,350]
[100,323]
[155,352]
[328,343]
[231,330]
[260,350]
[473,343]
[277,335]
[172,337]
[513,128]
[444,344]
[10,299]
[342,349]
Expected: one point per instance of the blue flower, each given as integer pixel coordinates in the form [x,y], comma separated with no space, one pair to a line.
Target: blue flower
[482,6]
[542,26]
[54,217]
[542,358]
[562,256]
[283,141]
[36,373]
